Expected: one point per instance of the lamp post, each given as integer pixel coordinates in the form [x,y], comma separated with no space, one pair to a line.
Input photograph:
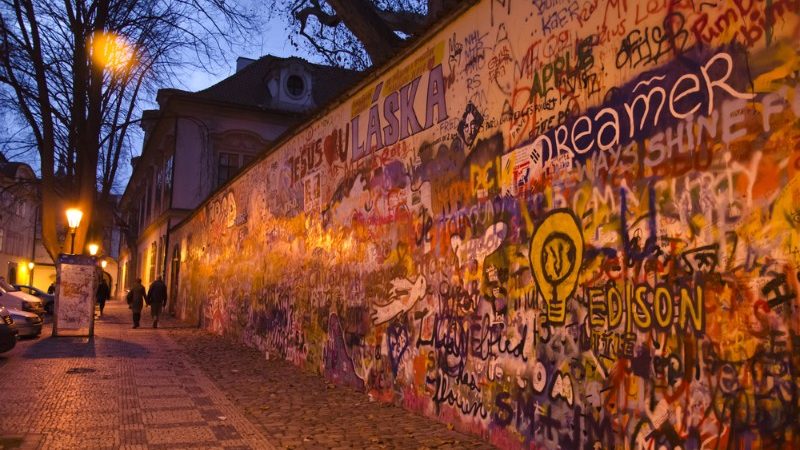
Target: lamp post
[30,273]
[74,216]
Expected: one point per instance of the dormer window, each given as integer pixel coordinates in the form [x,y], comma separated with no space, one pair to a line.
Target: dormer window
[295,86]
[291,87]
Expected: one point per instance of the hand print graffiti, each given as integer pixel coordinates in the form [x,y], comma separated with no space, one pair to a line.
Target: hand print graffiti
[403,295]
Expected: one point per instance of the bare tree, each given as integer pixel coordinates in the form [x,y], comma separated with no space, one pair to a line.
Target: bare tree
[357,33]
[74,71]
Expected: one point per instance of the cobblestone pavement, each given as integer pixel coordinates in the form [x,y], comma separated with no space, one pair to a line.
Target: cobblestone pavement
[183,388]
[299,410]
[125,388]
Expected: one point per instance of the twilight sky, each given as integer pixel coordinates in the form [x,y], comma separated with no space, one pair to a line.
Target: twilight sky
[270,39]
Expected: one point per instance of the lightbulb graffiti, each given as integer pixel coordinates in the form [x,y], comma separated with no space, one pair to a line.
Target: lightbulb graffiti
[558,225]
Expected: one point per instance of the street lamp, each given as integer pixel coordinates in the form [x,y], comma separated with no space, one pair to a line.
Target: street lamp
[112,51]
[30,273]
[103,263]
[93,248]
[74,216]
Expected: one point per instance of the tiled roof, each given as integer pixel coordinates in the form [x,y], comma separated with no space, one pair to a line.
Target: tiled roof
[248,86]
[11,170]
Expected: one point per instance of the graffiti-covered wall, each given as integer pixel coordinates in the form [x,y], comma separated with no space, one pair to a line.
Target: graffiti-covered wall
[556,224]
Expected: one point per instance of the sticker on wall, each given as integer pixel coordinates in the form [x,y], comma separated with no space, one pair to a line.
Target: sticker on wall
[311,193]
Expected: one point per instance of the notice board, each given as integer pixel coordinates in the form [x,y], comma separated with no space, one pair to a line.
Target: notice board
[77,277]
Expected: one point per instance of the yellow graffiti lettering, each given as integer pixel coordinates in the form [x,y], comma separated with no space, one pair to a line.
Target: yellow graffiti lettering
[642,317]
[614,305]
[662,307]
[695,308]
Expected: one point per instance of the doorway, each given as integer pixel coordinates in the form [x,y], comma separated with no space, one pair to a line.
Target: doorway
[175,265]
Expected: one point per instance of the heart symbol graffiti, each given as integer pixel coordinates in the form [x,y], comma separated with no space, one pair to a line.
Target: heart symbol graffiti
[397,343]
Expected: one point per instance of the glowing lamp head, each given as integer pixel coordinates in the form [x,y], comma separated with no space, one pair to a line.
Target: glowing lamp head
[103,263]
[112,51]
[74,216]
[31,265]
[93,248]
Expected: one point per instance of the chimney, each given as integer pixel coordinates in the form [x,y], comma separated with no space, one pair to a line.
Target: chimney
[148,120]
[242,62]
[164,94]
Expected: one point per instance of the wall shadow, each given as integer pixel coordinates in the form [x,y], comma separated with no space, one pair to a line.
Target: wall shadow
[77,347]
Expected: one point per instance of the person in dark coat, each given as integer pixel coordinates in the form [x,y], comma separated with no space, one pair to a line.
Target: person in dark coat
[136,297]
[103,294]
[157,298]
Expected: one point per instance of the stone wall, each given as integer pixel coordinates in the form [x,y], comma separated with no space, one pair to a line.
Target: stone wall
[556,224]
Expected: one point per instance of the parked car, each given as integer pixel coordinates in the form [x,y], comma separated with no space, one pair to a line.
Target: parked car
[27,324]
[8,334]
[48,300]
[11,297]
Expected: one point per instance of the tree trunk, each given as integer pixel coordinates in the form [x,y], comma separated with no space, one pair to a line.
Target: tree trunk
[51,206]
[439,7]
[364,22]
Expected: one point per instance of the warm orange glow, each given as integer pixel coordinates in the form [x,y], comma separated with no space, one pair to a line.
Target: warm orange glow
[111,51]
[93,248]
[74,216]
[103,263]
[23,272]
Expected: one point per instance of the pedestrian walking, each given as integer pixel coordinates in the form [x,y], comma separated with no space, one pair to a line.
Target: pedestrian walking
[103,294]
[136,297]
[156,298]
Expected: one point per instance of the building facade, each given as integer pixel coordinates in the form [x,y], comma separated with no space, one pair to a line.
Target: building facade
[20,227]
[196,142]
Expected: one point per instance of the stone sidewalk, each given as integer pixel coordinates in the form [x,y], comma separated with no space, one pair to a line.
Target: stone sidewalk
[125,388]
[178,387]
[299,410]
